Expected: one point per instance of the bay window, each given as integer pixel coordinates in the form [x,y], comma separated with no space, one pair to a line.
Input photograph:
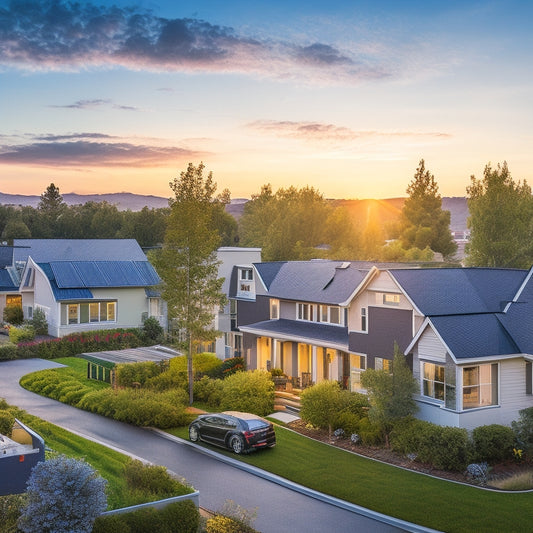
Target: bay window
[480,386]
[433,381]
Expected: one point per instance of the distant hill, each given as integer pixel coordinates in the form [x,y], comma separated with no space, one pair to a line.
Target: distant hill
[385,210]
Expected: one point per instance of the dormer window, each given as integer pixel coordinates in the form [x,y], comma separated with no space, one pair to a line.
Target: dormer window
[247,274]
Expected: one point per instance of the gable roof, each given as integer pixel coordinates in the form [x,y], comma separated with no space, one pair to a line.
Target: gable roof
[6,281]
[458,291]
[48,250]
[320,281]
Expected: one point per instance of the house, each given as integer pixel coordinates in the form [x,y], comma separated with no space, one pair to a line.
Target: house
[320,320]
[9,280]
[474,362]
[86,284]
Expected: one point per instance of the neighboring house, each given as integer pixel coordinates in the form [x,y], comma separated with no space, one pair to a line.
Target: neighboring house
[229,344]
[9,280]
[320,320]
[86,284]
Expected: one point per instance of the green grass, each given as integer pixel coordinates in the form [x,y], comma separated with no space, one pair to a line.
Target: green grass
[434,503]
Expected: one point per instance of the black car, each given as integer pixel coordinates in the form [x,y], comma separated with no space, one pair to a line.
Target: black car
[240,432]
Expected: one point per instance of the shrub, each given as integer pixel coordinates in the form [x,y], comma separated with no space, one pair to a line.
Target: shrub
[22,334]
[202,364]
[231,365]
[10,509]
[64,495]
[13,314]
[369,433]
[152,330]
[348,422]
[251,392]
[8,352]
[225,524]
[6,423]
[523,430]
[322,403]
[39,322]
[209,391]
[493,443]
[129,373]
[153,479]
[521,481]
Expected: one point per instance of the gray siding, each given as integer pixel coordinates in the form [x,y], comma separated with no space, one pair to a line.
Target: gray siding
[252,312]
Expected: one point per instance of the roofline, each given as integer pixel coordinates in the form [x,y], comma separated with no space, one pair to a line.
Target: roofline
[427,322]
[403,291]
[293,338]
[260,278]
[520,290]
[364,283]
[483,359]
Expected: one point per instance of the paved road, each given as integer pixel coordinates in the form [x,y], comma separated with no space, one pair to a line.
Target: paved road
[279,508]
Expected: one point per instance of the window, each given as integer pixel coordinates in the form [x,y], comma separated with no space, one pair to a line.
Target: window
[155,307]
[383,364]
[334,315]
[363,318]
[13,299]
[433,381]
[274,309]
[529,381]
[247,274]
[480,386]
[305,312]
[391,299]
[323,316]
[88,312]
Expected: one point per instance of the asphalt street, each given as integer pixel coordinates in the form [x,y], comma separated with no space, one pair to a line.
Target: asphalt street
[280,506]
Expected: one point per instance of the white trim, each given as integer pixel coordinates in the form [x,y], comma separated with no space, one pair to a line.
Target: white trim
[427,322]
[366,280]
[519,291]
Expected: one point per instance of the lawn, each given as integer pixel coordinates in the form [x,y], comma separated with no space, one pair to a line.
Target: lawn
[413,497]
[420,499]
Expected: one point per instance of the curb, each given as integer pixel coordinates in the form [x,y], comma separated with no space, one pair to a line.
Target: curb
[274,478]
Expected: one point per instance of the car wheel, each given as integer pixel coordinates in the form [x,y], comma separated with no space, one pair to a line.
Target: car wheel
[193,433]
[236,443]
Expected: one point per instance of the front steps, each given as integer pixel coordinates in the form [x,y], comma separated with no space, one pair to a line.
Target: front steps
[287,401]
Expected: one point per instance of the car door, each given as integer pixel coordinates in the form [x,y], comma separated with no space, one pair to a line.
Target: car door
[217,430]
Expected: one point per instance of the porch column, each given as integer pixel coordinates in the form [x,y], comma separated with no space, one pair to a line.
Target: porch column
[313,363]
[274,354]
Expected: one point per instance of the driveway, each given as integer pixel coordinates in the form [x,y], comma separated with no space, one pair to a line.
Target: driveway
[279,508]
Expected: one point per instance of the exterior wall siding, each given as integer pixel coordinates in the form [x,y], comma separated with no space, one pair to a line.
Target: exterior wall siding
[252,312]
[430,348]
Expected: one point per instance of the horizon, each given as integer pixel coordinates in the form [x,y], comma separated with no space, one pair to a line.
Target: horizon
[346,98]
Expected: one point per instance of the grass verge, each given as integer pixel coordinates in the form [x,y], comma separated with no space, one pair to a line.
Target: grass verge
[416,498]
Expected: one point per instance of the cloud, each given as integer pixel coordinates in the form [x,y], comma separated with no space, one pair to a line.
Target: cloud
[60,35]
[92,104]
[315,131]
[75,150]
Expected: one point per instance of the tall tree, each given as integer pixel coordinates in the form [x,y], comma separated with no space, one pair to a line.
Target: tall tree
[51,207]
[188,262]
[424,221]
[501,220]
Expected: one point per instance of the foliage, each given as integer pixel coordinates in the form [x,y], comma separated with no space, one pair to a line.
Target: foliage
[425,224]
[493,443]
[390,394]
[152,330]
[177,517]
[6,423]
[10,509]
[154,479]
[21,334]
[188,264]
[523,430]
[13,314]
[226,524]
[128,374]
[51,207]
[444,447]
[292,223]
[7,352]
[64,495]
[227,367]
[520,481]
[202,364]
[322,403]
[209,391]
[39,321]
[500,222]
[251,392]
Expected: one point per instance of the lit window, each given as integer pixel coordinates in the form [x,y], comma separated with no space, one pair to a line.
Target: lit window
[274,309]
[93,312]
[382,364]
[391,299]
[480,386]
[433,381]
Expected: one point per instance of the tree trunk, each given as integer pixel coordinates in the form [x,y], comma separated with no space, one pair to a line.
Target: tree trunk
[189,370]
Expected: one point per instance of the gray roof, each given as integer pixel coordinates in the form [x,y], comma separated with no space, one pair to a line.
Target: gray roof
[48,250]
[6,256]
[455,291]
[319,333]
[473,336]
[6,281]
[132,355]
[320,281]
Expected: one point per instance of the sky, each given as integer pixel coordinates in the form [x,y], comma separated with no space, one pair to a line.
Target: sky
[342,96]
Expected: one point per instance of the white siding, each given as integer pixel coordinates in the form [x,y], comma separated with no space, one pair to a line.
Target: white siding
[430,347]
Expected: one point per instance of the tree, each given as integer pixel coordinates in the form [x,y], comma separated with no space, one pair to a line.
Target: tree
[64,495]
[424,222]
[501,220]
[51,207]
[390,394]
[188,263]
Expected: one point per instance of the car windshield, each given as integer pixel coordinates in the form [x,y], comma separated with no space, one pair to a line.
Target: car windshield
[257,424]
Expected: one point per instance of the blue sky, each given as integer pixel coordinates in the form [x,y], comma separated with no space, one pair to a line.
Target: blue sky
[346,97]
